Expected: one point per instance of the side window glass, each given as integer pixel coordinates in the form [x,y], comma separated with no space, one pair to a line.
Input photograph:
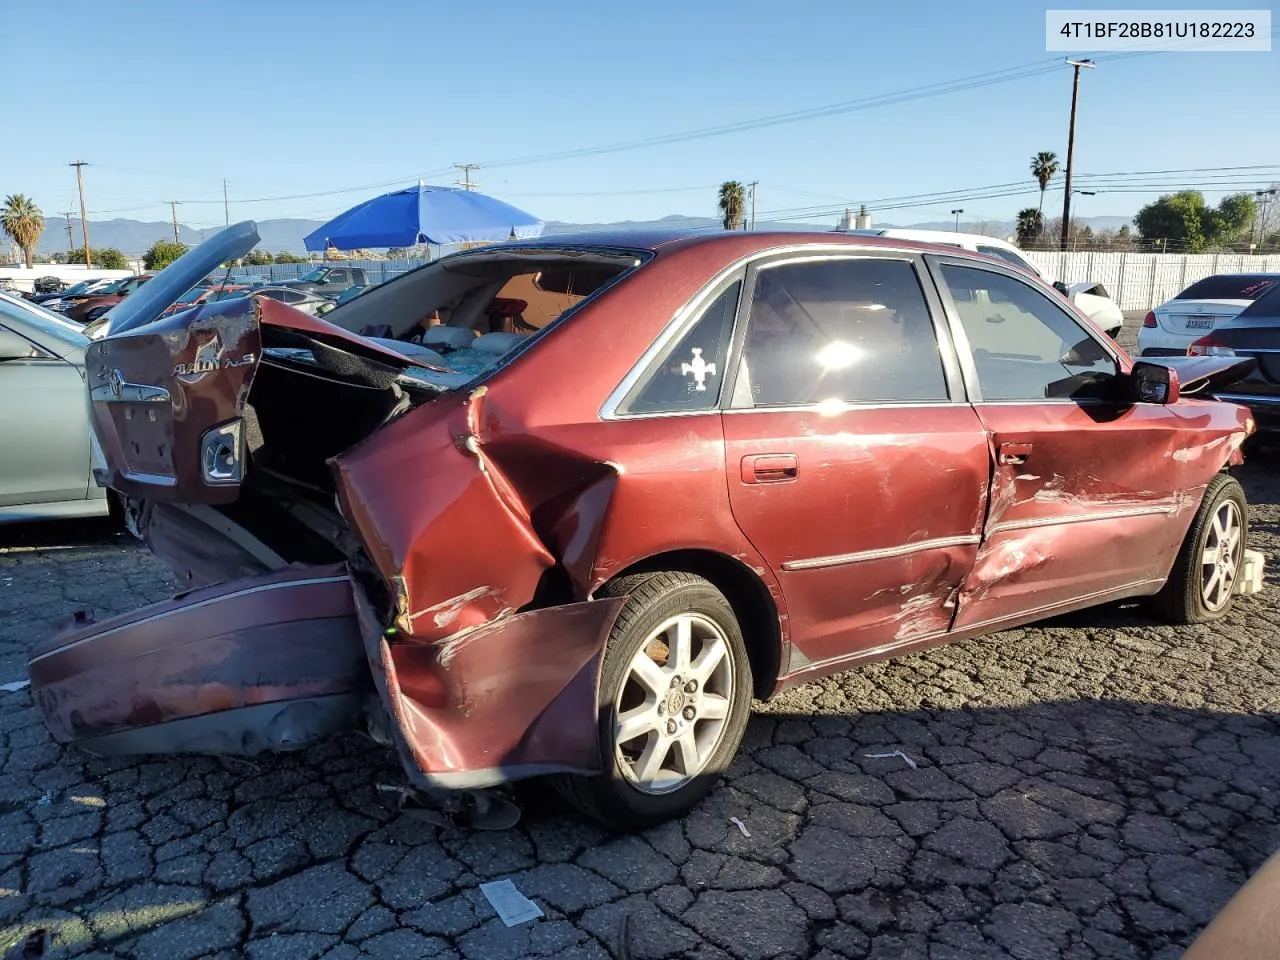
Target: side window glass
[16,347]
[691,372]
[1025,346]
[857,331]
[337,276]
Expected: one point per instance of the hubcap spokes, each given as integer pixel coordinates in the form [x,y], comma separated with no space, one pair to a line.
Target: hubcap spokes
[673,707]
[1220,558]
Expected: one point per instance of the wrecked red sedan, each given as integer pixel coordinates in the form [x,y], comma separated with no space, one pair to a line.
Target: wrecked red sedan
[562,507]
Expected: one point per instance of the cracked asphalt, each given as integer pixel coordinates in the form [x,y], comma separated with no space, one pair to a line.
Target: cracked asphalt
[1095,787]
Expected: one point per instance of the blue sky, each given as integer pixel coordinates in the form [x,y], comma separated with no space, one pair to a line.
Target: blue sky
[166,98]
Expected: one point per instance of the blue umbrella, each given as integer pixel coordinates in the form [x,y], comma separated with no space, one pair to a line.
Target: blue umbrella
[424,214]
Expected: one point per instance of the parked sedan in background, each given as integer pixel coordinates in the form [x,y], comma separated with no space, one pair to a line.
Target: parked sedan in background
[57,301]
[298,299]
[204,294]
[47,451]
[1171,328]
[86,309]
[1253,332]
[767,457]
[327,281]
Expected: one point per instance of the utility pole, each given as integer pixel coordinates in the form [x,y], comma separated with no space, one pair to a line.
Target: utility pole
[466,169]
[1264,198]
[753,203]
[226,207]
[84,222]
[1071,149]
[71,242]
[956,213]
[173,205]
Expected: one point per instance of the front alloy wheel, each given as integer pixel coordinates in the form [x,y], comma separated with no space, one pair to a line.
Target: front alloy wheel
[1221,557]
[1202,583]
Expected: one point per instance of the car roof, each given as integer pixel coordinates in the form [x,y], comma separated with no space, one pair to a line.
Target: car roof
[655,241]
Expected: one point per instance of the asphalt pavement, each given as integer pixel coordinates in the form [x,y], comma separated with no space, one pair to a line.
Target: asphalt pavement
[1095,787]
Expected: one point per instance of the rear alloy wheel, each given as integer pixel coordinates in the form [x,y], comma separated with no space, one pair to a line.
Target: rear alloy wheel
[675,696]
[1202,585]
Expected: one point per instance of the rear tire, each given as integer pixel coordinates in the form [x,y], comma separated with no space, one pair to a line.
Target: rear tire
[1201,586]
[675,697]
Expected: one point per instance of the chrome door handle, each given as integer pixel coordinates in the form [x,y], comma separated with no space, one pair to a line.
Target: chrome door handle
[770,468]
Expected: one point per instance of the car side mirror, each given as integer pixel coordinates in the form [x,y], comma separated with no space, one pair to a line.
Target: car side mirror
[1061,288]
[1153,383]
[14,347]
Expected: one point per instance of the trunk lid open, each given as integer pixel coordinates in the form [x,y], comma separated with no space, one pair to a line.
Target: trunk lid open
[169,397]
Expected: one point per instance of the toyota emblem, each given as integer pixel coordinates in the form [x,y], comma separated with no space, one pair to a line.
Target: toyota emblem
[115,380]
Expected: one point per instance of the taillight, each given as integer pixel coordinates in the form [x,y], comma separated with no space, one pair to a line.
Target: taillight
[1208,347]
[1149,320]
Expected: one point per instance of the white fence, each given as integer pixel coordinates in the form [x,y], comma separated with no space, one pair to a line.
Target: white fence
[1140,281]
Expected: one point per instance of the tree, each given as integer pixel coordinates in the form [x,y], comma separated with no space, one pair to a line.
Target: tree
[108,258]
[1044,167]
[284,256]
[163,253]
[1030,226]
[732,203]
[1233,216]
[396,253]
[1186,221]
[258,258]
[24,223]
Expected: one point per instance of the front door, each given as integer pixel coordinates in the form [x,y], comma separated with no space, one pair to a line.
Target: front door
[44,432]
[855,465]
[1089,497]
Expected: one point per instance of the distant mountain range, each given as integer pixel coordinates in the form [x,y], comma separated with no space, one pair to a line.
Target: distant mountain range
[133,237]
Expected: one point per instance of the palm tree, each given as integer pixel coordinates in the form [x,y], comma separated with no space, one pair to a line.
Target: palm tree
[1044,167]
[23,221]
[732,203]
[1030,226]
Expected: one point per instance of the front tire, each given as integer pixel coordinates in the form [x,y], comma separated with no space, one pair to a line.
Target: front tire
[675,697]
[1201,587]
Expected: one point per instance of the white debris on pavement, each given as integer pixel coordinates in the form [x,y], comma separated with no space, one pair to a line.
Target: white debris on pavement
[513,907]
[740,825]
[15,686]
[894,753]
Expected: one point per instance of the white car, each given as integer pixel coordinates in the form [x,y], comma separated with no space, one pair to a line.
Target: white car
[1091,298]
[1171,328]
[49,451]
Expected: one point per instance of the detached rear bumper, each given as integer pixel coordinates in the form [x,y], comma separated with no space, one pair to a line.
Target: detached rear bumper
[266,663]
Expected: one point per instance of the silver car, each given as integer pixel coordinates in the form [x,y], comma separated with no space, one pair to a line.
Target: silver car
[47,451]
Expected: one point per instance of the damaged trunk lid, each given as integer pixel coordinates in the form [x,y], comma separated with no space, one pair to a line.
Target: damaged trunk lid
[169,397]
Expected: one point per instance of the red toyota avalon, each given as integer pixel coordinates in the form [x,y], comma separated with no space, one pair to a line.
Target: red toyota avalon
[562,507]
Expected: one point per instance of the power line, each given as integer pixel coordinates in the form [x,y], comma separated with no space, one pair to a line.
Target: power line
[941,88]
